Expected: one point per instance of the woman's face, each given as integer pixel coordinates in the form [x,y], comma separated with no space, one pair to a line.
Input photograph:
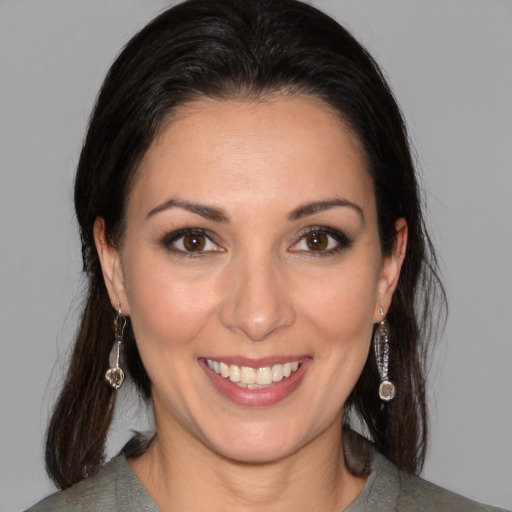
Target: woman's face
[251,270]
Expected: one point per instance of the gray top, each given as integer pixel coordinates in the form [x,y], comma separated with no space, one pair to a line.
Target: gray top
[116,489]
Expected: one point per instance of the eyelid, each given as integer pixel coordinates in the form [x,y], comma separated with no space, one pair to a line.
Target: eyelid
[344,241]
[171,238]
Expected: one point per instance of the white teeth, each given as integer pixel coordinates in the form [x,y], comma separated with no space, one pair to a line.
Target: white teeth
[264,375]
[251,378]
[234,373]
[224,369]
[277,373]
[247,375]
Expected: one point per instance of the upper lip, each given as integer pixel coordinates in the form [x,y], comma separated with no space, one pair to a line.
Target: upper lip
[257,362]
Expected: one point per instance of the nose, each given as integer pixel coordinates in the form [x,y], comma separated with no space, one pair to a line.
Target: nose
[257,302]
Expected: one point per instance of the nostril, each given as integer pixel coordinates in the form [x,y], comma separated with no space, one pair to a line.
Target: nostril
[257,321]
[256,304]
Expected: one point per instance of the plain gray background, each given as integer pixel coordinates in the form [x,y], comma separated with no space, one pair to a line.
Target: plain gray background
[450,65]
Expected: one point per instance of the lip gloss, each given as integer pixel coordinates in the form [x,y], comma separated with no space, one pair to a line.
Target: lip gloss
[258,397]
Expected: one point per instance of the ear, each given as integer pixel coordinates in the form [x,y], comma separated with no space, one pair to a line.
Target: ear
[111,267]
[390,270]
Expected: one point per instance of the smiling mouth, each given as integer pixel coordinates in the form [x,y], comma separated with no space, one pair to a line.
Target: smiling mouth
[254,378]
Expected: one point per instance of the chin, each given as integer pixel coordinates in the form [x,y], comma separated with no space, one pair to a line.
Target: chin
[255,453]
[256,443]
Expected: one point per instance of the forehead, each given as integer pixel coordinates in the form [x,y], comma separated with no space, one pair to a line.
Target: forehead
[252,153]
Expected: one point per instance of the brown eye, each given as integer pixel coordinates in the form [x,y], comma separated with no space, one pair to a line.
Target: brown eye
[191,242]
[322,241]
[194,242]
[317,241]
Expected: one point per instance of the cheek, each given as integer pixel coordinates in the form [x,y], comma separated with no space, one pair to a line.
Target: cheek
[339,310]
[166,308]
[344,301]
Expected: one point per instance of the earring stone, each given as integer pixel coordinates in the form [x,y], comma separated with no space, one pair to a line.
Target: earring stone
[115,374]
[387,390]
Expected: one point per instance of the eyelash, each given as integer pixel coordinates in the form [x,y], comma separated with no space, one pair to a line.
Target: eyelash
[171,238]
[343,241]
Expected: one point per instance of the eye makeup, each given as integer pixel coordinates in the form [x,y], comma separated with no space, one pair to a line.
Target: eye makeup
[321,241]
[191,242]
[312,240]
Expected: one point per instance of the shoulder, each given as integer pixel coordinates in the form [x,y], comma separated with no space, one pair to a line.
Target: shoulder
[435,498]
[392,489]
[112,487]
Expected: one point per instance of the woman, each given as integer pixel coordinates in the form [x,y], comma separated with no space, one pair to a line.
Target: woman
[250,222]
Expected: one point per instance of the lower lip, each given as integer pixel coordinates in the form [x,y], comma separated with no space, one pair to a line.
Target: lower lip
[260,397]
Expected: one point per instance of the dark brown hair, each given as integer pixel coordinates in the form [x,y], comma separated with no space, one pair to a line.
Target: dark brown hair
[249,49]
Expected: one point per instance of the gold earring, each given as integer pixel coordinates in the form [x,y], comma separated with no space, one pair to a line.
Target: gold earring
[387,390]
[115,374]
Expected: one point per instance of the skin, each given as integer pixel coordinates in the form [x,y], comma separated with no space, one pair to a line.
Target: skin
[257,290]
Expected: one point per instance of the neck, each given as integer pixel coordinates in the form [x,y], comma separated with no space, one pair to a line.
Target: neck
[188,476]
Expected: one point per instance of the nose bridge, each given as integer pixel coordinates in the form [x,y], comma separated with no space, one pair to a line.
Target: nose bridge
[256,302]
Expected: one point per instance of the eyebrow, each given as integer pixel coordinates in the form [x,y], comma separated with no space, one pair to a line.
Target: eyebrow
[208,212]
[320,206]
[219,215]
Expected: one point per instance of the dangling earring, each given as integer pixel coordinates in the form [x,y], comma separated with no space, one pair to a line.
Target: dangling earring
[387,390]
[115,375]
